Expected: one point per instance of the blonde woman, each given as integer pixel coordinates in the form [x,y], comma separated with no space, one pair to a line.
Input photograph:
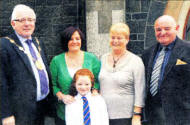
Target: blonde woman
[122,81]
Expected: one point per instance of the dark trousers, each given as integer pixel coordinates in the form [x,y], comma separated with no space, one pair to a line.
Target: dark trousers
[123,121]
[42,108]
[59,121]
[156,112]
[33,117]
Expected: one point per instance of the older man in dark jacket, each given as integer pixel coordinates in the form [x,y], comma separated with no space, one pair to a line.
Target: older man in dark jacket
[167,66]
[24,72]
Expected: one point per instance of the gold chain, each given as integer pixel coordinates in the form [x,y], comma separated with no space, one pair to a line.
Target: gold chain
[37,63]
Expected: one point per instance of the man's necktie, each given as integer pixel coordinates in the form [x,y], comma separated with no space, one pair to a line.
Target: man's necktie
[86,111]
[41,72]
[156,72]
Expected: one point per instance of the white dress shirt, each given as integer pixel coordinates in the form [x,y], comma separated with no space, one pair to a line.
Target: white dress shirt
[40,96]
[98,111]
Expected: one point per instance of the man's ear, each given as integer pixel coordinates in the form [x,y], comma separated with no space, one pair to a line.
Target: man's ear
[13,24]
[177,27]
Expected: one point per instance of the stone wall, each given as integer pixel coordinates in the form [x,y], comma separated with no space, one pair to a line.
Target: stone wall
[53,16]
[140,16]
[100,15]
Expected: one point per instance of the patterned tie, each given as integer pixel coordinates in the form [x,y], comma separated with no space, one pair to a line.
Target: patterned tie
[86,111]
[156,72]
[41,72]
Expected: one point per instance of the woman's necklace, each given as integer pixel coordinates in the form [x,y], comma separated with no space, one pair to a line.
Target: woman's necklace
[116,60]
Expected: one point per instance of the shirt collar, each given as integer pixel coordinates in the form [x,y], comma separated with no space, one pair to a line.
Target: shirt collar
[88,95]
[168,47]
[22,39]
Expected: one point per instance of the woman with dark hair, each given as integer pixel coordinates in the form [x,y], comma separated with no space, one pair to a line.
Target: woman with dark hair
[64,66]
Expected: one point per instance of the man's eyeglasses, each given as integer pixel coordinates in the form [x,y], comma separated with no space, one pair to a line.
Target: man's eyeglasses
[22,20]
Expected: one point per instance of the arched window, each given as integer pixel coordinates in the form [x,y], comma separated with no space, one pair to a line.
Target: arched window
[186,32]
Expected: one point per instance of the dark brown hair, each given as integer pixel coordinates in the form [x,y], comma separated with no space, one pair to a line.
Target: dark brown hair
[67,34]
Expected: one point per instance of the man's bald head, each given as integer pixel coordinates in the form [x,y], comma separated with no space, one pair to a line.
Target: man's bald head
[165,29]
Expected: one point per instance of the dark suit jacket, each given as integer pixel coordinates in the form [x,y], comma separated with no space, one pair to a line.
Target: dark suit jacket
[175,87]
[18,84]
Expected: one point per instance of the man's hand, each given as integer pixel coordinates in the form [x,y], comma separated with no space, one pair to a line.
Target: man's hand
[9,121]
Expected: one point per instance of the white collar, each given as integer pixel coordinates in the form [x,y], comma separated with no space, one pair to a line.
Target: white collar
[88,96]
[22,39]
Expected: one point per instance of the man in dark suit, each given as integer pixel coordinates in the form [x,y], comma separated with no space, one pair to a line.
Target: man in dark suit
[24,72]
[167,66]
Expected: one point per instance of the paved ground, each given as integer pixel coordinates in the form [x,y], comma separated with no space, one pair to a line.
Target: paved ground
[49,121]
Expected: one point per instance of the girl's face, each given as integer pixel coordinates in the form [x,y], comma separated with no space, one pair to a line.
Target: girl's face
[83,85]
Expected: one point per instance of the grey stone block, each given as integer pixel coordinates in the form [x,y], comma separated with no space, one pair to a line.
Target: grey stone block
[104,21]
[139,16]
[150,37]
[137,26]
[156,10]
[44,29]
[133,37]
[30,3]
[54,2]
[48,11]
[6,15]
[68,11]
[5,30]
[141,37]
[145,5]
[7,6]
[4,22]
[133,5]
[57,29]
[128,16]
[81,20]
[117,4]
[40,2]
[136,47]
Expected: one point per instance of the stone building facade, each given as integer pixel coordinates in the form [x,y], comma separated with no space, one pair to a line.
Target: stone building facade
[53,16]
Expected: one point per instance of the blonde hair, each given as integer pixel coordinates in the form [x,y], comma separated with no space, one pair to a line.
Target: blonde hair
[20,8]
[120,28]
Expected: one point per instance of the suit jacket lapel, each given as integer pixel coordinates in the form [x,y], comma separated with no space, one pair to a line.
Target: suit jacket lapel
[150,63]
[35,43]
[177,50]
[21,53]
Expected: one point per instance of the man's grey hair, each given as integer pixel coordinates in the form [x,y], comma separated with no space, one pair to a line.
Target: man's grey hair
[20,8]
